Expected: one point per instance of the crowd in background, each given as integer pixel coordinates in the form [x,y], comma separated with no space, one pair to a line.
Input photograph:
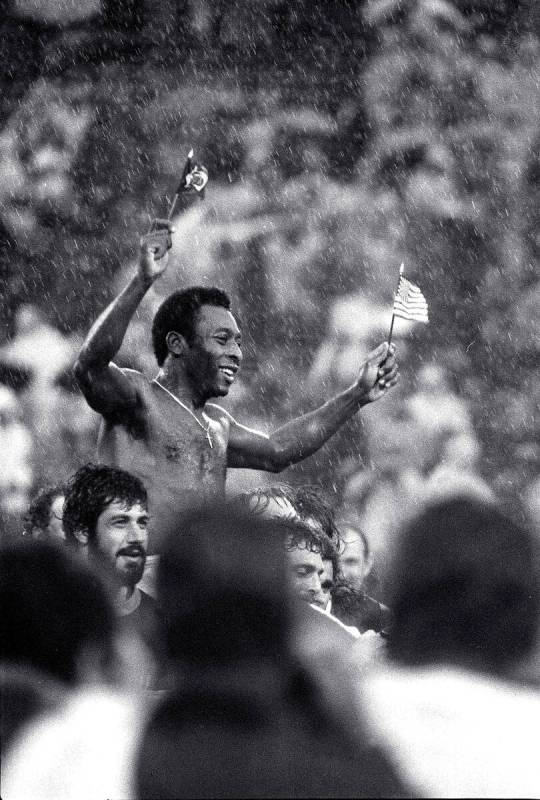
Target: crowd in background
[369,625]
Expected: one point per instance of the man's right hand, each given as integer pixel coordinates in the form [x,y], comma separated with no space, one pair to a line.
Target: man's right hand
[154,250]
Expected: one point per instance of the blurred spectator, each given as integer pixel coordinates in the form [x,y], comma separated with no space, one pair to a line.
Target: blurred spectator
[26,693]
[355,561]
[466,605]
[43,519]
[244,720]
[56,615]
[57,620]
[16,462]
[34,337]
[531,502]
[350,602]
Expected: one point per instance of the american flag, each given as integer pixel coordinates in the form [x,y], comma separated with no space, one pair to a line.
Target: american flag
[409,302]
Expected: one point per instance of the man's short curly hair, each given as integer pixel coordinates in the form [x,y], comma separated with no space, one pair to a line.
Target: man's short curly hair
[91,489]
[297,535]
[38,515]
[178,312]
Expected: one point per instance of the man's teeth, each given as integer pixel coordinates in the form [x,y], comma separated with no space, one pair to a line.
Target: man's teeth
[228,371]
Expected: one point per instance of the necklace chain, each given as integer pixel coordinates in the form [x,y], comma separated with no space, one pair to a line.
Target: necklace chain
[180,403]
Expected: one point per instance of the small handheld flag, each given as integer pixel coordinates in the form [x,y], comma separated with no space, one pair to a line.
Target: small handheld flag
[409,303]
[194,178]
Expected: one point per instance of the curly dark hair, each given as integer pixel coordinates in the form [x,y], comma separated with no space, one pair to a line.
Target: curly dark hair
[307,500]
[179,313]
[310,506]
[311,503]
[38,515]
[299,535]
[91,490]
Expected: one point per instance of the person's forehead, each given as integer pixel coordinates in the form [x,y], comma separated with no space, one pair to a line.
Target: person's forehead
[122,507]
[300,555]
[353,544]
[210,318]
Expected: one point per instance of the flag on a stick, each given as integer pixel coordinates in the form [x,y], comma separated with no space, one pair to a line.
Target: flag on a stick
[409,302]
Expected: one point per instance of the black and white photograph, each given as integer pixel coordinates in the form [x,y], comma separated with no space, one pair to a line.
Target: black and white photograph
[269,399]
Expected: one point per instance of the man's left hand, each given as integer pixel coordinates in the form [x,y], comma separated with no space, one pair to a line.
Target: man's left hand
[378,373]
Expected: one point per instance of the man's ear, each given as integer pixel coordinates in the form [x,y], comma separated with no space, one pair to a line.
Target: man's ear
[176,343]
[81,536]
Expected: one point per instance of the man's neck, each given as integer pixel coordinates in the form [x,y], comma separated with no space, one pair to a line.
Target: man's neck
[128,600]
[176,381]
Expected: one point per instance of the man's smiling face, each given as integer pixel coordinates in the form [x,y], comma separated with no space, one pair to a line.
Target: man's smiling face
[121,538]
[215,354]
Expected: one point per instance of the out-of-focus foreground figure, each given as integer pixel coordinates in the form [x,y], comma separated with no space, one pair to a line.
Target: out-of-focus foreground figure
[453,707]
[71,729]
[245,719]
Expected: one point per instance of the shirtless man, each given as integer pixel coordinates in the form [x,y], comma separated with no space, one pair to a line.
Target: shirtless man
[165,430]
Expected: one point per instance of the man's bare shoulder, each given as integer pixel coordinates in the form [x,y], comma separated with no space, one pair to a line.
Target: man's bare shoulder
[218,413]
[134,375]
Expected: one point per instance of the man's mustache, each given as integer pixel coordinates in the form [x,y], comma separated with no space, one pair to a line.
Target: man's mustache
[132,551]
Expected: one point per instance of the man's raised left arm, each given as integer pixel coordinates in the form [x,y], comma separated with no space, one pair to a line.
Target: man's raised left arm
[303,436]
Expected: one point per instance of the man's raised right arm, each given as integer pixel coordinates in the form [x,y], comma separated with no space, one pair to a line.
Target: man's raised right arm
[105,386]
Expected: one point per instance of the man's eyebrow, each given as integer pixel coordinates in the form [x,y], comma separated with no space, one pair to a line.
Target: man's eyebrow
[228,331]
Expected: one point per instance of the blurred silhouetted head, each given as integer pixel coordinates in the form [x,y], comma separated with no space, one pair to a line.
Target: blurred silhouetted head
[44,517]
[55,613]
[465,589]
[221,585]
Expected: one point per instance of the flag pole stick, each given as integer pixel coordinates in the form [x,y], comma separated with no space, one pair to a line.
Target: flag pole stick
[187,168]
[401,271]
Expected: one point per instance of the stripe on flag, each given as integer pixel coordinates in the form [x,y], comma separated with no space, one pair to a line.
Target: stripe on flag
[409,302]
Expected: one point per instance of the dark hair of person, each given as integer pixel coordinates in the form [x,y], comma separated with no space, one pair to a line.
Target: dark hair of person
[307,500]
[464,589]
[257,500]
[90,490]
[221,585]
[179,313]
[311,503]
[298,535]
[53,606]
[38,515]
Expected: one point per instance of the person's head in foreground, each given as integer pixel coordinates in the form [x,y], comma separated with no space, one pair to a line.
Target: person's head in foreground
[106,510]
[56,616]
[221,586]
[465,589]
[43,519]
[244,720]
[195,332]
